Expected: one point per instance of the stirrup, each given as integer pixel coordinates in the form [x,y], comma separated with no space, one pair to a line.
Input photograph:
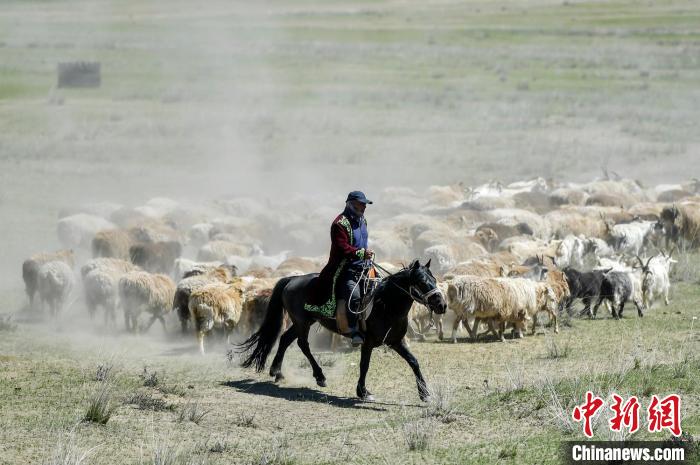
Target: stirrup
[356,339]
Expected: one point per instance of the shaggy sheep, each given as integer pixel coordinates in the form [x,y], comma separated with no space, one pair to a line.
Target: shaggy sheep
[101,283]
[504,299]
[195,280]
[421,319]
[257,261]
[514,216]
[297,266]
[567,196]
[141,290]
[445,196]
[570,220]
[55,283]
[30,269]
[524,247]
[448,255]
[216,305]
[156,257]
[556,279]
[78,230]
[220,250]
[682,224]
[254,309]
[183,266]
[116,242]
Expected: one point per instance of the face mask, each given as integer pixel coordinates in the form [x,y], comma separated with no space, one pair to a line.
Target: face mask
[352,209]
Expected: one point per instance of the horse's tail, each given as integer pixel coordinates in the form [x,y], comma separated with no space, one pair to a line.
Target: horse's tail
[262,341]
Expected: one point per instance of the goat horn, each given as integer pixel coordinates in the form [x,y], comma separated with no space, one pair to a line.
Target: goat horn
[650,259]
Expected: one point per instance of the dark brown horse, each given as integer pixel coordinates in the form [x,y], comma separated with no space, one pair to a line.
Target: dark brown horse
[386,324]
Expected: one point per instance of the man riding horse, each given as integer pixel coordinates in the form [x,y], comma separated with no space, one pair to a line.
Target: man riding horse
[341,275]
[311,298]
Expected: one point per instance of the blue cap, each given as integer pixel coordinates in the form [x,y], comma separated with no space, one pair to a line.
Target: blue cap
[359,196]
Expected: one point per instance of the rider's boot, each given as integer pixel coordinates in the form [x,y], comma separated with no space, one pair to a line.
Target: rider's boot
[356,338]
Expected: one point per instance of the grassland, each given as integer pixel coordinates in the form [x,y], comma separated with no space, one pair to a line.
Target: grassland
[277,97]
[499,401]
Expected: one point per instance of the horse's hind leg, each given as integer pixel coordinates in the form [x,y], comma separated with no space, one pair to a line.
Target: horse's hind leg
[406,354]
[303,343]
[286,339]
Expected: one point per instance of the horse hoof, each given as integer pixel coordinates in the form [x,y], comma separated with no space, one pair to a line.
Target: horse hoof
[279,377]
[367,398]
[321,382]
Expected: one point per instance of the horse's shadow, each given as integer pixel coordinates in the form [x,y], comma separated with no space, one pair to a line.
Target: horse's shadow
[300,394]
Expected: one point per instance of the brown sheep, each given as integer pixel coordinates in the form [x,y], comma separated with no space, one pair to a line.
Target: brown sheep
[156,257]
[141,290]
[117,242]
[254,309]
[504,231]
[216,305]
[193,281]
[682,224]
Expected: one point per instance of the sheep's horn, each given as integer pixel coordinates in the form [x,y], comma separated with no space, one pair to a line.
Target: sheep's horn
[641,263]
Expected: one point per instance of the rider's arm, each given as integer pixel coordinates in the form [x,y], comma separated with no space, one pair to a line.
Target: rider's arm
[340,238]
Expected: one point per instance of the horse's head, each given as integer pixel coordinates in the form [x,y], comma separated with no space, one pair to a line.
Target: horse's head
[424,289]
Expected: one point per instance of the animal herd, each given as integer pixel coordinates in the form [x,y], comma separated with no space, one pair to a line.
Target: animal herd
[503,253]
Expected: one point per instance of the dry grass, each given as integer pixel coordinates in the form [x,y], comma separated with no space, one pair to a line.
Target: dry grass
[688,267]
[245,420]
[556,349]
[67,452]
[277,453]
[192,411]
[150,379]
[418,433]
[166,453]
[103,372]
[100,408]
[146,401]
[441,404]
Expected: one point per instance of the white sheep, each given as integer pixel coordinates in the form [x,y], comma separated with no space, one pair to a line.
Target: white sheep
[78,230]
[55,284]
[101,283]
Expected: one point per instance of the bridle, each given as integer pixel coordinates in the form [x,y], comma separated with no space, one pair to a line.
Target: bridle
[413,292]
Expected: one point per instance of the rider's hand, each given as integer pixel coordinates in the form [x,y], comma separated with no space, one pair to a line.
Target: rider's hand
[369,254]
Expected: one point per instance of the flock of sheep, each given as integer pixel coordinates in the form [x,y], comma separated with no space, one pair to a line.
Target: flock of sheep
[503,253]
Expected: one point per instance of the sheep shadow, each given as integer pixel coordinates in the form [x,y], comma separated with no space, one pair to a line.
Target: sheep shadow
[300,394]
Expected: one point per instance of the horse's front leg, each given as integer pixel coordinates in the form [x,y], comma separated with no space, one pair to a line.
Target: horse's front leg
[365,356]
[406,354]
[303,343]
